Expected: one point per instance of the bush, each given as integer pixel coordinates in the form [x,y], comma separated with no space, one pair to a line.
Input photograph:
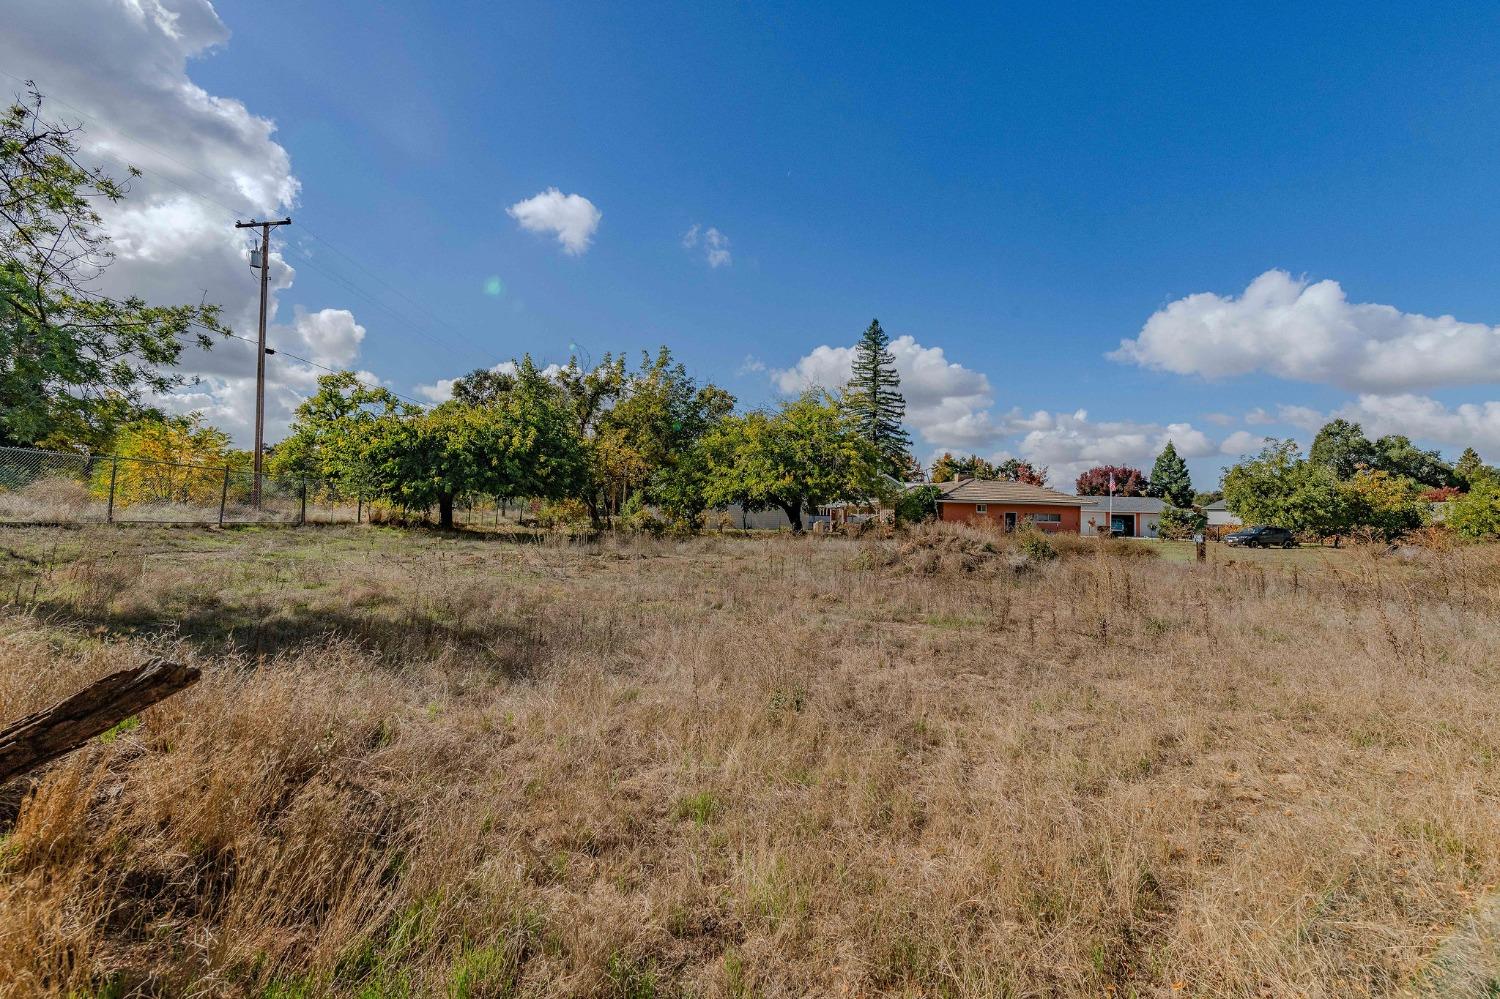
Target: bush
[917,505]
[562,513]
[1178,524]
[1476,514]
[1036,546]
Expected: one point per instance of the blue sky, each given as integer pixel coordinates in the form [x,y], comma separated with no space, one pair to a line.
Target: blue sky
[1019,190]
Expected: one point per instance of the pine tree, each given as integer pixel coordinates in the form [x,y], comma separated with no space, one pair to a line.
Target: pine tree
[1470,467]
[874,399]
[1170,479]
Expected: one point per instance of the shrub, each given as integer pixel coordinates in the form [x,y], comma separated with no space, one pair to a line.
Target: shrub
[1177,524]
[917,505]
[562,513]
[1476,514]
[1036,545]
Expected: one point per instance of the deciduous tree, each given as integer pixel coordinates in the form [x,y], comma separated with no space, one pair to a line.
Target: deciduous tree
[1020,470]
[1476,514]
[1396,454]
[807,453]
[1342,448]
[1128,481]
[74,364]
[525,444]
[329,433]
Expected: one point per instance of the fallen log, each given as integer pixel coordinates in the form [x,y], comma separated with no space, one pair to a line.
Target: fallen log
[51,732]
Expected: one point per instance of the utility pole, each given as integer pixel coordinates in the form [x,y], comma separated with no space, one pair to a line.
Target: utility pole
[261,259]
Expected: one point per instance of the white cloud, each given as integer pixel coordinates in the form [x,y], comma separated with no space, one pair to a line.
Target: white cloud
[1241,442]
[120,69]
[715,244]
[1470,424]
[1311,332]
[1071,443]
[751,365]
[572,218]
[946,402]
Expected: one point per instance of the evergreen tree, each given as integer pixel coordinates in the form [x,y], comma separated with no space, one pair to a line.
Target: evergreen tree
[1170,479]
[874,399]
[1470,467]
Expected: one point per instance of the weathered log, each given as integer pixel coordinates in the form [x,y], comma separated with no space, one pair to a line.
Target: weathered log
[51,732]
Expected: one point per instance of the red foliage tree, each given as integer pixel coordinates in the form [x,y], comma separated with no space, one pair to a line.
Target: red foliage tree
[1128,481]
[1019,470]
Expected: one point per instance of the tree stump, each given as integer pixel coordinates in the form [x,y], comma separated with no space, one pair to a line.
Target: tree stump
[52,732]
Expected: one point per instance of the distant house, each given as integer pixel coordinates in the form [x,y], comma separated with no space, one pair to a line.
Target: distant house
[1010,504]
[1126,517]
[1219,516]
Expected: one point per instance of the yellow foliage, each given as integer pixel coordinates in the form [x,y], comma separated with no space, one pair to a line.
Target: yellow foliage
[167,461]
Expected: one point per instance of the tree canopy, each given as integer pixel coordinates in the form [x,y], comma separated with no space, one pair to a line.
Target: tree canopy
[1128,481]
[331,429]
[74,364]
[1342,448]
[1282,488]
[806,453]
[1396,454]
[523,444]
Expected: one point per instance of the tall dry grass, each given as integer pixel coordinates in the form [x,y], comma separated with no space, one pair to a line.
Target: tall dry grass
[421,765]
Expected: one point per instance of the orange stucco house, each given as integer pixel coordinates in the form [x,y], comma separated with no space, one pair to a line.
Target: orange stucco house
[1011,504]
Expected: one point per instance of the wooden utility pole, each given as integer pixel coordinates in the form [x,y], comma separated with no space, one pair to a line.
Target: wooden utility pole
[260,351]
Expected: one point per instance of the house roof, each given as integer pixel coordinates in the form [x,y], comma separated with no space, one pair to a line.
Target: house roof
[1000,491]
[1127,504]
[1217,505]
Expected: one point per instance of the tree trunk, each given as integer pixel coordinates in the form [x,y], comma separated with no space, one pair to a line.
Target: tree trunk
[445,511]
[794,514]
[44,736]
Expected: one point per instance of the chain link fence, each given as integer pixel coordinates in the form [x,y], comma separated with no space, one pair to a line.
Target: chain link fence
[56,487]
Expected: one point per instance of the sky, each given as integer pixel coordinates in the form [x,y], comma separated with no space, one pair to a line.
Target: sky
[1087,228]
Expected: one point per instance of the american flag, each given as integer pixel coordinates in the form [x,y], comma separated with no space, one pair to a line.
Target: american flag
[1111,483]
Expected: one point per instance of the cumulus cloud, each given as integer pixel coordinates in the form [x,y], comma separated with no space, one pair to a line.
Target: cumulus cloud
[947,403]
[572,218]
[1241,442]
[1470,424]
[1071,443]
[120,70]
[715,244]
[1309,331]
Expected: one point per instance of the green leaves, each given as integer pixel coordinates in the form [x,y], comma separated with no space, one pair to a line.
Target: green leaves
[73,364]
[807,453]
[525,444]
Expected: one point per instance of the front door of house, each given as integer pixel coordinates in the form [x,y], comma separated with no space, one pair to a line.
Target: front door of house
[1010,520]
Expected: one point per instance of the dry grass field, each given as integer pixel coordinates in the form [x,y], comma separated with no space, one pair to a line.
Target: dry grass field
[468,766]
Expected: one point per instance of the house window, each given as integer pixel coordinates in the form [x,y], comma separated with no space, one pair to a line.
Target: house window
[980,508]
[1047,518]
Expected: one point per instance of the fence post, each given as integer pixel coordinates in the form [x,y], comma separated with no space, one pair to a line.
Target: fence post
[114,467]
[223,495]
[302,517]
